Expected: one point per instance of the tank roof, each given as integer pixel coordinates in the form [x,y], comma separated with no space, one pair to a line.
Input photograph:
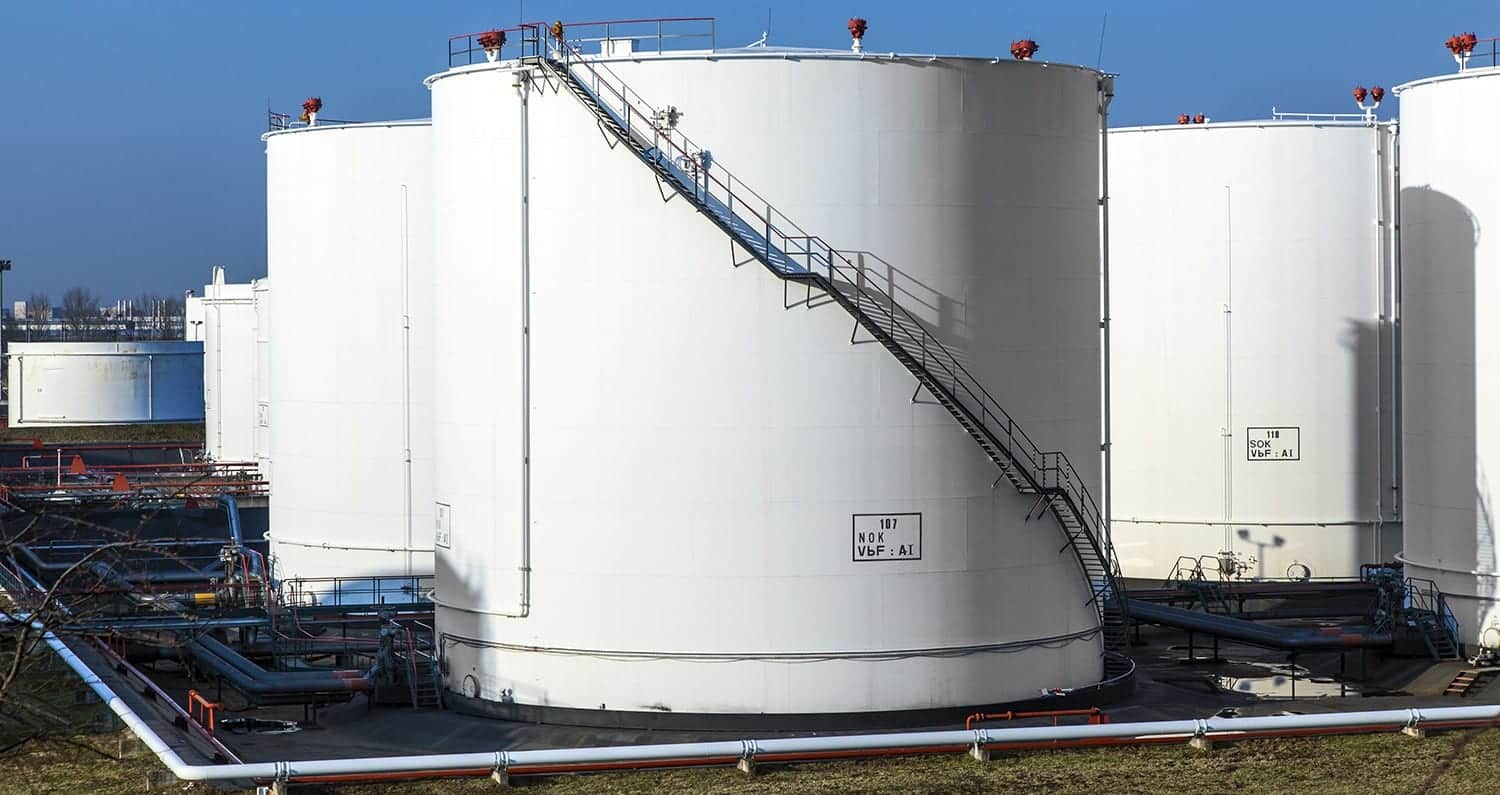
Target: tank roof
[1485,71]
[772,53]
[1277,123]
[349,126]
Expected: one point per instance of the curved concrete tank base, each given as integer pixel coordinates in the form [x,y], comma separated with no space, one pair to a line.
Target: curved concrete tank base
[1252,289]
[346,416]
[706,445]
[1450,207]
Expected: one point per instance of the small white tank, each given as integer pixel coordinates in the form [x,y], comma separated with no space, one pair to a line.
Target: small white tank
[105,383]
[229,369]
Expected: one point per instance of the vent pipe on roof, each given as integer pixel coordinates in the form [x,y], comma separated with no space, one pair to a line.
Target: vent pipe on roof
[857,28]
[1462,46]
[1377,94]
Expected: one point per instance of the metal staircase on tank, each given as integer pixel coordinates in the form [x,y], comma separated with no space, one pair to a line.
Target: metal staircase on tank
[1424,612]
[798,257]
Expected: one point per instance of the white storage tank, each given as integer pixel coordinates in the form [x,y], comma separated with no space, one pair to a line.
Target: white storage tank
[661,470]
[229,369]
[192,320]
[1252,349]
[348,224]
[1450,211]
[261,435]
[105,383]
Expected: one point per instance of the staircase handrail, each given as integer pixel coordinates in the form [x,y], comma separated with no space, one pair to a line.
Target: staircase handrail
[1042,462]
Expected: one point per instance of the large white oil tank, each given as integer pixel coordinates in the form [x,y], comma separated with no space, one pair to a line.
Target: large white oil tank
[661,469]
[1252,351]
[105,383]
[229,369]
[1450,214]
[348,223]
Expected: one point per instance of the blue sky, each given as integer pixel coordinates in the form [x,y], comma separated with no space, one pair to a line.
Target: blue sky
[129,150]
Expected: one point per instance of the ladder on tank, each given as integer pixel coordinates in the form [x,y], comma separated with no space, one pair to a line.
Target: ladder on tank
[797,257]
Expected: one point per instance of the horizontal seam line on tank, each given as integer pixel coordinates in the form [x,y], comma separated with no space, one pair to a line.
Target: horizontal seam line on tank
[1427,564]
[1055,641]
[1344,523]
[326,545]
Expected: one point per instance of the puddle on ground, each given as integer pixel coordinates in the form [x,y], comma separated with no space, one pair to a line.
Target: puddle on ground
[1277,682]
[259,726]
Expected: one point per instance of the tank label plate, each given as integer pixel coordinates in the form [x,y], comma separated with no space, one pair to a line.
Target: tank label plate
[887,536]
[1273,444]
[442,526]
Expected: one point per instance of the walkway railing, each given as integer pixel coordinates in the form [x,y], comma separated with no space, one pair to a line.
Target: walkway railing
[606,37]
[285,121]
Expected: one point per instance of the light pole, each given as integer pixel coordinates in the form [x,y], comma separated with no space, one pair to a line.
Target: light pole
[4,266]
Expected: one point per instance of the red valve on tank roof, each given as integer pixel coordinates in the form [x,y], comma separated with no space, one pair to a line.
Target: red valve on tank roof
[1023,49]
[1182,118]
[1462,43]
[1200,119]
[857,28]
[1377,93]
[492,39]
[1359,93]
[312,104]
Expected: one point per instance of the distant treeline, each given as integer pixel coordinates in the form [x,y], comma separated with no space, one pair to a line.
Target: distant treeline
[148,316]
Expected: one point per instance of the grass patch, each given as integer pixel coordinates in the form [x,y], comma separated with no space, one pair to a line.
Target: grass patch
[167,432]
[1451,762]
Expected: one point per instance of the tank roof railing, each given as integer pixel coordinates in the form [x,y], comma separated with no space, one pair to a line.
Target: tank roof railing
[652,35]
[1486,52]
[465,49]
[285,121]
[1286,115]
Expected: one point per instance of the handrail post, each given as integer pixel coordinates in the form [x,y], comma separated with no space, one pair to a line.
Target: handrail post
[768,231]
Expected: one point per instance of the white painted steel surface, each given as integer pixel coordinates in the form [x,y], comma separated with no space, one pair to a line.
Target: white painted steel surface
[229,369]
[105,383]
[261,435]
[1251,288]
[348,216]
[699,451]
[192,325]
[1450,207]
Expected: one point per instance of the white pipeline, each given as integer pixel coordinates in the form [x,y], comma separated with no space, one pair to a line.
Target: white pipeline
[784,748]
